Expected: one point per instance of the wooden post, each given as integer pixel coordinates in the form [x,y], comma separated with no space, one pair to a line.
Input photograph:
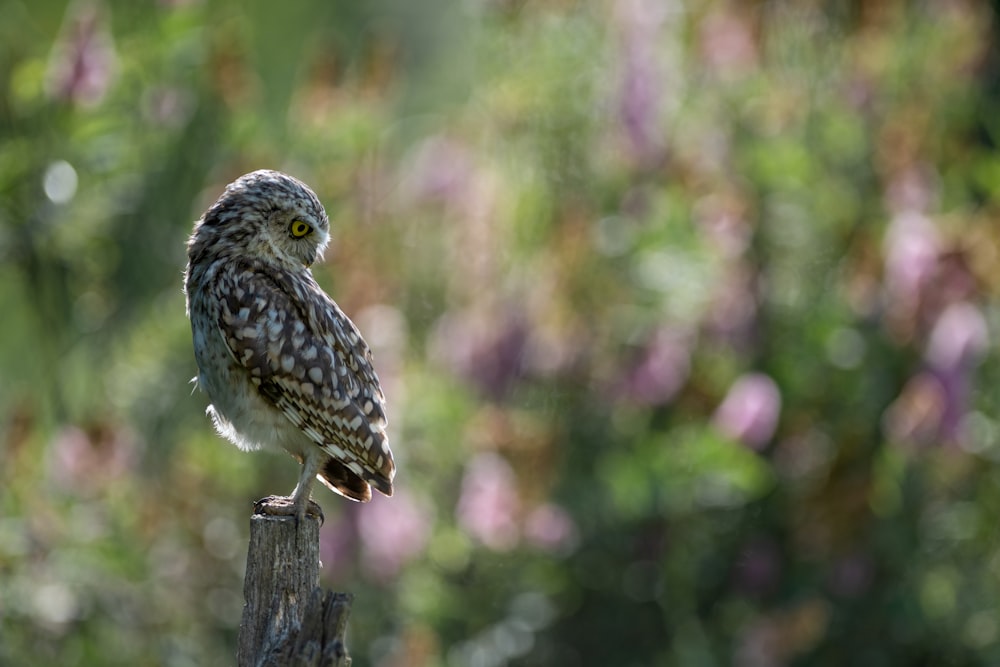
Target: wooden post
[287,618]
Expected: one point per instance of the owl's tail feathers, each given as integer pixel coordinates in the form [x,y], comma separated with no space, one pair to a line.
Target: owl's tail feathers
[382,484]
[340,479]
[381,478]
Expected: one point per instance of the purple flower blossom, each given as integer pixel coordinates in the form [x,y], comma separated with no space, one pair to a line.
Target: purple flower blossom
[750,411]
[957,342]
[662,368]
[913,189]
[732,318]
[958,339]
[641,93]
[337,543]
[83,61]
[487,349]
[912,249]
[723,222]
[778,637]
[550,528]
[442,170]
[916,415]
[392,533]
[727,44]
[169,106]
[934,403]
[87,461]
[489,505]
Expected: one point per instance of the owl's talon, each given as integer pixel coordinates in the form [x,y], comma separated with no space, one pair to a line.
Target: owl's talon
[314,510]
[285,506]
[274,506]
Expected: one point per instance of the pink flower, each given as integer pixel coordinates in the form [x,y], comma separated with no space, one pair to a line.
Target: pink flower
[727,44]
[934,403]
[392,532]
[550,528]
[912,248]
[662,369]
[337,545]
[958,338]
[486,349]
[914,188]
[641,95]
[722,220]
[169,106]
[88,461]
[442,171]
[489,503]
[917,413]
[750,411]
[732,318]
[83,61]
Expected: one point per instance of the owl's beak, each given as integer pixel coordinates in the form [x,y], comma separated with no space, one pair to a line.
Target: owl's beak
[316,256]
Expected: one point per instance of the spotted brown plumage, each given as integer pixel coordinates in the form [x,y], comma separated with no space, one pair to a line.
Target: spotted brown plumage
[284,367]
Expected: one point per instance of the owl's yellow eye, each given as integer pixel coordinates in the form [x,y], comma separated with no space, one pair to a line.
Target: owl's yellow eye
[299,229]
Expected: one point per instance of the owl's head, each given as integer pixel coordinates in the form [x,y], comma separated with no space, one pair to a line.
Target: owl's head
[264,215]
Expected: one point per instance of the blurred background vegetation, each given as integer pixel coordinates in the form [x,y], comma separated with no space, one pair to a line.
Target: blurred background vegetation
[683,312]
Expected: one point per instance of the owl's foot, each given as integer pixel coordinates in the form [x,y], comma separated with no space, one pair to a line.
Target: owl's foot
[285,506]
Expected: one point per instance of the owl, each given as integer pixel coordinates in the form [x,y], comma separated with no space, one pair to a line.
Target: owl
[283,366]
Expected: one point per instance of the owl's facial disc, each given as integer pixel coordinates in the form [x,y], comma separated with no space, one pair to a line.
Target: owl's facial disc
[296,236]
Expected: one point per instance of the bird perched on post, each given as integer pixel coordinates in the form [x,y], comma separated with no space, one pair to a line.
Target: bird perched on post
[283,365]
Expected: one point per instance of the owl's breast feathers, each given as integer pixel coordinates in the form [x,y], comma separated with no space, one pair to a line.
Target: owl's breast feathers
[306,357]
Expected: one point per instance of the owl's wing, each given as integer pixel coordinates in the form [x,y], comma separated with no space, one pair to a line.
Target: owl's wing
[307,358]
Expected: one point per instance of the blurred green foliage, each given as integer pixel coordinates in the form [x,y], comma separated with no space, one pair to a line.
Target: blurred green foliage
[683,311]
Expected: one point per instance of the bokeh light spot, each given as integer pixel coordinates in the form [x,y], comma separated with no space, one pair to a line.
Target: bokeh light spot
[60,182]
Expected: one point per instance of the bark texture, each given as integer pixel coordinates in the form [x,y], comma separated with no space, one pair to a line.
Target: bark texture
[287,618]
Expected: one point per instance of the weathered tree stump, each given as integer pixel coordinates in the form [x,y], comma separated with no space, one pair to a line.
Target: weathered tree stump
[287,618]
